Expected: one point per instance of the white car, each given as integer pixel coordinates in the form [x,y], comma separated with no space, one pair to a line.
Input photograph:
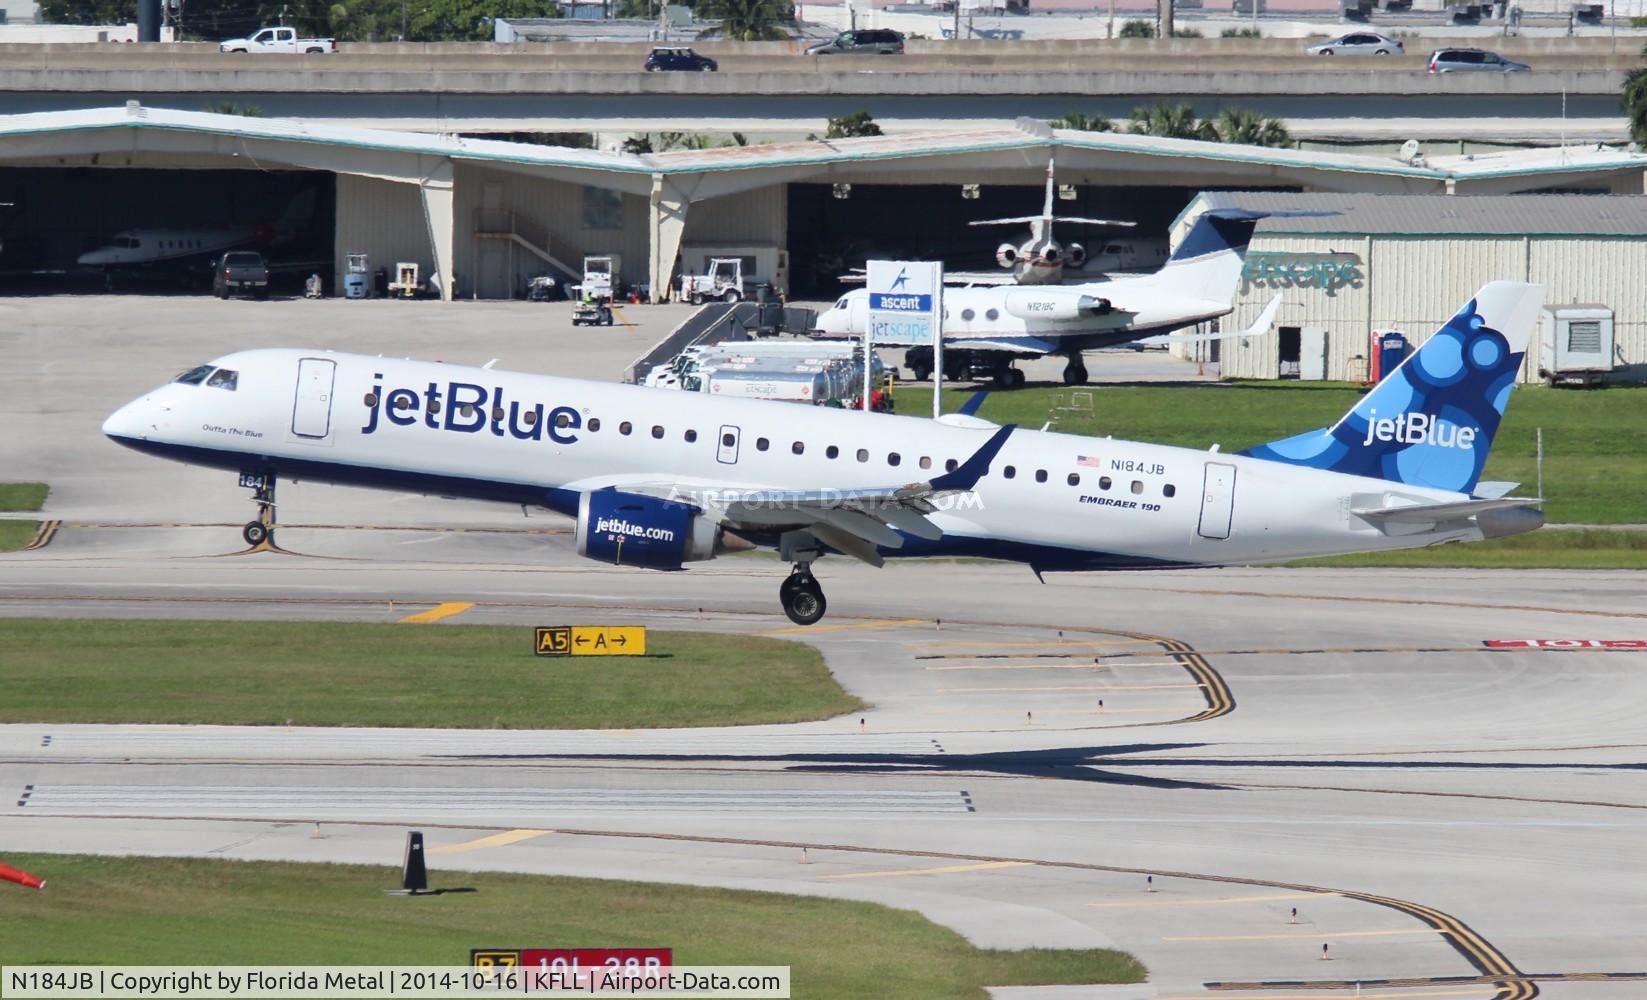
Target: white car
[278,40]
[1358,43]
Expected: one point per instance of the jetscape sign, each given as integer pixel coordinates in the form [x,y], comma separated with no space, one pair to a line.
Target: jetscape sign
[905,301]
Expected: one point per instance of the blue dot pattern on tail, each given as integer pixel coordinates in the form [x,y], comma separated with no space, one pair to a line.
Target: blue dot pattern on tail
[1429,423]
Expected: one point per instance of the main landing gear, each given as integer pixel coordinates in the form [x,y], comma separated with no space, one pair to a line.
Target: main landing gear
[802,598]
[259,534]
[1075,371]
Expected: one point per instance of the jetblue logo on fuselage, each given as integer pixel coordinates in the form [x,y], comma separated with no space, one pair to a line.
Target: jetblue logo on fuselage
[469,409]
[1418,428]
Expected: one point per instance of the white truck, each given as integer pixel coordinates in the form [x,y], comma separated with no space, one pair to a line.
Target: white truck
[600,277]
[724,280]
[278,40]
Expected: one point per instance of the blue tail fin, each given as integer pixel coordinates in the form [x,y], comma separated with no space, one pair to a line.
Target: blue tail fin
[1432,420]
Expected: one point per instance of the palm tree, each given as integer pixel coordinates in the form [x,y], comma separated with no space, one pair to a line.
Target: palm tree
[1083,122]
[1175,121]
[1635,103]
[1249,128]
[747,20]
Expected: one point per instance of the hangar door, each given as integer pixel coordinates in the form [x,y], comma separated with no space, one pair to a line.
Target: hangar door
[1217,500]
[312,410]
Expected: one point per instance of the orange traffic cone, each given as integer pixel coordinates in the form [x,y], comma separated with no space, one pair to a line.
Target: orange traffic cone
[21,877]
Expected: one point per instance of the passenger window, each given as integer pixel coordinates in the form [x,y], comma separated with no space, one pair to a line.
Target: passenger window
[223,378]
[728,440]
[371,399]
[1075,479]
[564,420]
[1009,472]
[761,444]
[497,416]
[926,461]
[967,314]
[657,431]
[1137,486]
[625,427]
[797,448]
[691,436]
[1169,490]
[832,452]
[194,376]
[593,425]
[465,410]
[893,459]
[434,406]
[950,465]
[532,418]
[993,314]
[407,401]
[1040,475]
[863,454]
[1103,482]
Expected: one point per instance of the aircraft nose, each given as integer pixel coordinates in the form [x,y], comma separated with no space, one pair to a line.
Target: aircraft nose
[133,421]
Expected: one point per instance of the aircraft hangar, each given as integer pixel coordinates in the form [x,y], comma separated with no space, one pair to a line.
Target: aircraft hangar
[480,216]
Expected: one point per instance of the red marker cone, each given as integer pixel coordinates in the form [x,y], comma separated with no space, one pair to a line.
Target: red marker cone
[21,877]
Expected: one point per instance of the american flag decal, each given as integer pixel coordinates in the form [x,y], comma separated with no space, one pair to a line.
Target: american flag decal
[1089,461]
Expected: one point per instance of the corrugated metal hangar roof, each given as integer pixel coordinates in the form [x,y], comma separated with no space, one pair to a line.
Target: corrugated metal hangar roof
[1446,215]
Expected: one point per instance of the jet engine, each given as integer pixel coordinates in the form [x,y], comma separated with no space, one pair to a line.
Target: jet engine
[1077,255]
[630,529]
[1006,254]
[1053,304]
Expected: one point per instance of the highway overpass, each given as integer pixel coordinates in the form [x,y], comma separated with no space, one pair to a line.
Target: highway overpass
[766,87]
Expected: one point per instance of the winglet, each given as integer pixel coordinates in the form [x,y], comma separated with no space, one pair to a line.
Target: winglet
[967,474]
[1265,320]
[970,407]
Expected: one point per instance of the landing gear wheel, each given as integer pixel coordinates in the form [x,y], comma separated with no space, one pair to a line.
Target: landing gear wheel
[919,374]
[255,533]
[1075,373]
[1017,379]
[802,599]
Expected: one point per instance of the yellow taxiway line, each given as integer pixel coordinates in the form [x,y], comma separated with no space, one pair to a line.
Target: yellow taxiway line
[438,612]
[503,839]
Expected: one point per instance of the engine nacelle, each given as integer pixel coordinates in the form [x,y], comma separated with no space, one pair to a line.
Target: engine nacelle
[1006,254]
[1053,304]
[630,529]
[1076,255]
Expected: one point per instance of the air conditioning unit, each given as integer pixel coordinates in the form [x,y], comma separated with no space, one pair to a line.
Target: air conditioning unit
[1576,344]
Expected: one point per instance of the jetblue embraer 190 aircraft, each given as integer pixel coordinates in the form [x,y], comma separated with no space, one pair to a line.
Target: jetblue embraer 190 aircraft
[656,479]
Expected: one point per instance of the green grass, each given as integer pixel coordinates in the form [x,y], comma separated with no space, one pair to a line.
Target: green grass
[1543,549]
[22,496]
[155,911]
[1595,442]
[16,534]
[447,676]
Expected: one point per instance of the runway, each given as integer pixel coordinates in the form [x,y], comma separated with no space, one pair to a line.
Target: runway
[1219,771]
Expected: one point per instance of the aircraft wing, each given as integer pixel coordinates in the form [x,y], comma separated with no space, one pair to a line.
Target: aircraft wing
[854,521]
[1435,513]
[1094,222]
[1022,220]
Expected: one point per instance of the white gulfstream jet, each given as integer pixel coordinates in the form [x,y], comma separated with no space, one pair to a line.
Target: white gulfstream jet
[1041,259]
[655,479]
[1198,282]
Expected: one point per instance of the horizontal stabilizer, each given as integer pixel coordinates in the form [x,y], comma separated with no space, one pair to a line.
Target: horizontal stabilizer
[1492,491]
[1435,513]
[1259,327]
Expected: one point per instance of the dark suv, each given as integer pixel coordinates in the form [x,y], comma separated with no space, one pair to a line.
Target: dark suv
[679,58]
[870,41]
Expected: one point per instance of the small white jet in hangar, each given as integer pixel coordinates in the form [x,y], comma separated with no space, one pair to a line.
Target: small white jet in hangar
[1197,283]
[1041,259]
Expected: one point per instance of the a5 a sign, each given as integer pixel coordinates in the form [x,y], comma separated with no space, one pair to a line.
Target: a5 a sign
[589,640]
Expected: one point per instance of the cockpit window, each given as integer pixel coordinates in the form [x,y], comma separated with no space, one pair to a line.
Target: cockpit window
[127,242]
[223,378]
[841,304]
[194,376]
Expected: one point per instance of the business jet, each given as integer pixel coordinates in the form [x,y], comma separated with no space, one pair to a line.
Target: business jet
[1197,283]
[161,248]
[661,479]
[1041,259]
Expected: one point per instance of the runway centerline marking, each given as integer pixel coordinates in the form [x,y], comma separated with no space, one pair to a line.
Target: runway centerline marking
[439,611]
[945,870]
[503,839]
[808,629]
[1400,932]
[1217,901]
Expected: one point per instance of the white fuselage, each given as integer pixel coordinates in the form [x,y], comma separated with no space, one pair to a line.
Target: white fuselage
[1056,501]
[143,247]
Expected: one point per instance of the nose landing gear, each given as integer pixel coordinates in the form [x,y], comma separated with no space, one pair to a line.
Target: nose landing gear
[259,534]
[801,597]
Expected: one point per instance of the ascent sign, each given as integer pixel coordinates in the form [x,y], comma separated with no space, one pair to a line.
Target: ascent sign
[904,300]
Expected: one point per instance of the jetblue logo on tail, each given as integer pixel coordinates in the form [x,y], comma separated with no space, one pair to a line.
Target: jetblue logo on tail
[1418,428]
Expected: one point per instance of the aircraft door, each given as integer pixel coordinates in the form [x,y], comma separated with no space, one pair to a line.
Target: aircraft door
[727,446]
[312,409]
[1217,500]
